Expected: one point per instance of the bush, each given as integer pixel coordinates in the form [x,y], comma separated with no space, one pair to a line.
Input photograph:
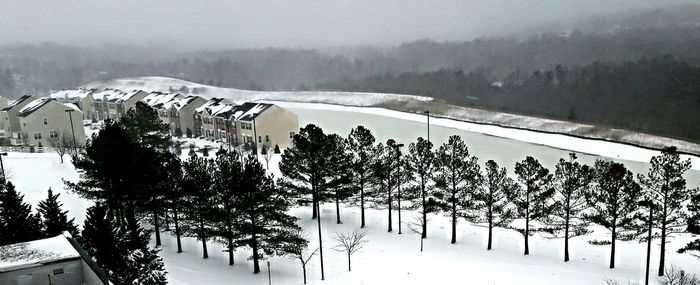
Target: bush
[178,132]
[188,132]
[277,149]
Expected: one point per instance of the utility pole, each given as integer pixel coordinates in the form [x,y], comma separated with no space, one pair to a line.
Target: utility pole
[269,275]
[2,165]
[70,118]
[427,114]
[650,205]
[255,139]
[398,177]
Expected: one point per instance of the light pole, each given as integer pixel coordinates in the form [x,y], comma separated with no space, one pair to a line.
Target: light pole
[269,275]
[255,139]
[398,177]
[650,205]
[2,165]
[427,114]
[70,118]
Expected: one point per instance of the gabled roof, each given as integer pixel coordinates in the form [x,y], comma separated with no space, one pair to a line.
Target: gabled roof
[37,253]
[17,102]
[212,106]
[106,94]
[249,111]
[128,95]
[71,93]
[180,103]
[33,106]
[158,99]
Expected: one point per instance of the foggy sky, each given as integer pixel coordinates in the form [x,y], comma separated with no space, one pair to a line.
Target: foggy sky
[209,24]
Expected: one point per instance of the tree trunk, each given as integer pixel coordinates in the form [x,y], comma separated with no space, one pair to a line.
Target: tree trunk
[157,227]
[230,249]
[566,229]
[454,215]
[177,231]
[256,255]
[303,268]
[612,247]
[320,242]
[314,210]
[662,258]
[337,207]
[203,235]
[349,261]
[362,205]
[389,229]
[527,224]
[399,205]
[421,244]
[488,246]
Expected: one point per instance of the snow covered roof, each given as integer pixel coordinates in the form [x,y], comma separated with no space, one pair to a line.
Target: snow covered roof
[106,94]
[17,102]
[36,253]
[180,103]
[212,106]
[33,106]
[128,95]
[159,99]
[71,93]
[249,111]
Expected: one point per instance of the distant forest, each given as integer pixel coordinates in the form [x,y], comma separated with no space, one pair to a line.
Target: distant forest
[637,71]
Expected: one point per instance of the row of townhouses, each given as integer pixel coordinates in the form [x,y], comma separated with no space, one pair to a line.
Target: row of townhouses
[38,121]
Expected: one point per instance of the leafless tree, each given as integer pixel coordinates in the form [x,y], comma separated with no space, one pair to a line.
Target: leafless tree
[676,276]
[61,144]
[303,254]
[350,242]
[267,154]
[416,226]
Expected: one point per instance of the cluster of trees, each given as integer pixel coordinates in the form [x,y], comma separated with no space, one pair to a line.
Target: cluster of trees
[565,202]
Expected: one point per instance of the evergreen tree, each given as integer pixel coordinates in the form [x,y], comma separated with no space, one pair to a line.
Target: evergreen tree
[199,196]
[361,145]
[531,198]
[420,160]
[457,177]
[340,175]
[55,221]
[491,199]
[613,200]
[694,213]
[265,225]
[227,179]
[571,180]
[382,173]
[143,125]
[667,187]
[17,221]
[101,239]
[175,198]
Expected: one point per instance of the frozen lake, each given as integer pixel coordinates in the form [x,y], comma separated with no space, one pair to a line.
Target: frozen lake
[505,151]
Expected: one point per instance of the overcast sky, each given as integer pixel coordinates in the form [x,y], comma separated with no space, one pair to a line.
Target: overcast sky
[285,23]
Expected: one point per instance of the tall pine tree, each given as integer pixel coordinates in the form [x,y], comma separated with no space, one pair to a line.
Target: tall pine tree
[199,196]
[175,198]
[532,197]
[421,161]
[361,145]
[491,199]
[613,200]
[227,179]
[265,226]
[667,187]
[458,176]
[340,175]
[17,221]
[55,221]
[571,180]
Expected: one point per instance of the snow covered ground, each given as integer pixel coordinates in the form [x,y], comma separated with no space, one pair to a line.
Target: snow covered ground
[405,103]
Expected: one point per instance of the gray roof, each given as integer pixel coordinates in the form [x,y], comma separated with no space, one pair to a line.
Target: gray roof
[16,102]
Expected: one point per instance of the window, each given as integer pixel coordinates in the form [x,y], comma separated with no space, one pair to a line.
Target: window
[291,135]
[246,126]
[53,134]
[259,139]
[37,136]
[46,121]
[267,138]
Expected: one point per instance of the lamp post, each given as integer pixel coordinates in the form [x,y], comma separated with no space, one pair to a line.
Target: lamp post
[269,275]
[650,205]
[70,118]
[427,114]
[255,139]
[2,165]
[398,177]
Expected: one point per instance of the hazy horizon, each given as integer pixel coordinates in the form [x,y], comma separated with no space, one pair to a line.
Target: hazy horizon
[208,24]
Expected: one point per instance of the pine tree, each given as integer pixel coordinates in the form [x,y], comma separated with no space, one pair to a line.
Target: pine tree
[361,144]
[175,198]
[457,177]
[340,175]
[693,219]
[227,181]
[613,200]
[101,239]
[667,187]
[143,125]
[532,197]
[265,225]
[198,193]
[420,160]
[17,221]
[571,180]
[491,199]
[55,221]
[381,168]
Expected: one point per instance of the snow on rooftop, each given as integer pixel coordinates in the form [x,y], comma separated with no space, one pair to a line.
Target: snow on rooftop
[71,93]
[72,106]
[35,253]
[106,94]
[34,105]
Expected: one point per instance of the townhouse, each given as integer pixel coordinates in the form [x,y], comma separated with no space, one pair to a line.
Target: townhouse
[264,124]
[206,123]
[45,121]
[80,97]
[8,117]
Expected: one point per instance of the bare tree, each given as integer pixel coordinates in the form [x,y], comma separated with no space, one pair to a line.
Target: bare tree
[350,242]
[675,276]
[416,226]
[267,154]
[61,144]
[302,253]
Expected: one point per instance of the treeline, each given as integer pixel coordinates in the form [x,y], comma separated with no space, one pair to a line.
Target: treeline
[655,95]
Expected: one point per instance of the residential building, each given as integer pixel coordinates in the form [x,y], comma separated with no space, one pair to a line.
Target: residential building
[79,97]
[56,260]
[119,103]
[8,116]
[3,102]
[101,105]
[205,124]
[160,102]
[264,124]
[45,119]
[180,112]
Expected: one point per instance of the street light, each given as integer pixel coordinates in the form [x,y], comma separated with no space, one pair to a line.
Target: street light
[398,177]
[427,114]
[255,139]
[2,165]
[648,204]
[269,275]
[70,118]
